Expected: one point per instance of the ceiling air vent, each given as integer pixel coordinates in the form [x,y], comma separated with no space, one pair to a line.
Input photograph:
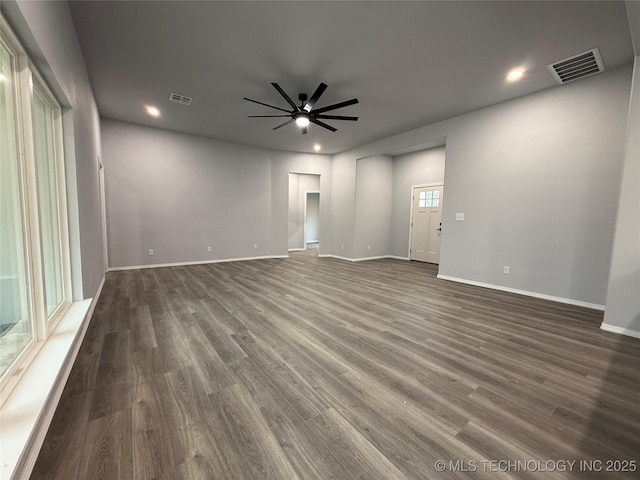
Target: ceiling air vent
[181,99]
[578,66]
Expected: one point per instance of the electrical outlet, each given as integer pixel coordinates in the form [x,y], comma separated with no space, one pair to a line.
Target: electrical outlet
[255,246]
[507,270]
[342,246]
[368,247]
[459,217]
[91,279]
[208,249]
[151,251]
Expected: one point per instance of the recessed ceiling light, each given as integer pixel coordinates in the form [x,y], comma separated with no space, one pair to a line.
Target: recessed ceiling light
[153,111]
[317,147]
[515,74]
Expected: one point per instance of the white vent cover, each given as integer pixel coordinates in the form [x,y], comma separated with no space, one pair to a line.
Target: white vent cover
[181,99]
[578,66]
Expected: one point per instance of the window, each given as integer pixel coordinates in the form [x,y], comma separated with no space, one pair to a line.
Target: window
[35,286]
[429,198]
[43,116]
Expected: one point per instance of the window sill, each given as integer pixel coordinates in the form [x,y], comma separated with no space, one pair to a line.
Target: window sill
[27,413]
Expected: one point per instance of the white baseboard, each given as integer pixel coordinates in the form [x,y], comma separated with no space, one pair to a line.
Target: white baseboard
[40,390]
[337,257]
[544,296]
[361,259]
[620,330]
[364,259]
[397,257]
[296,249]
[199,262]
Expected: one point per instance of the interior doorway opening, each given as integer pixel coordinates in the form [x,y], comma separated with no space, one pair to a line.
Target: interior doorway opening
[304,212]
[312,220]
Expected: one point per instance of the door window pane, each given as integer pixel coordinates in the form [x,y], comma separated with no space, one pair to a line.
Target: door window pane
[46,175]
[16,328]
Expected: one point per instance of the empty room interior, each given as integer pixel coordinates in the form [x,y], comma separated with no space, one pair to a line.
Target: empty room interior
[319,240]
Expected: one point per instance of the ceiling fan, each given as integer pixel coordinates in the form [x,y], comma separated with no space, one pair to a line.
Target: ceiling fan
[305,114]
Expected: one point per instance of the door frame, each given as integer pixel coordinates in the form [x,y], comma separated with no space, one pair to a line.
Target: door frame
[103,215]
[420,185]
[304,221]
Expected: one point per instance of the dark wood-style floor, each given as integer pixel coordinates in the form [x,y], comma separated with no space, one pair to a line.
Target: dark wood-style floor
[316,368]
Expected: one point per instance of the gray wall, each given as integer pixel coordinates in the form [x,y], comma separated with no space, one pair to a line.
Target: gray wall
[294,214]
[282,163]
[538,180]
[298,184]
[47,31]
[343,202]
[425,166]
[623,294]
[374,185]
[179,194]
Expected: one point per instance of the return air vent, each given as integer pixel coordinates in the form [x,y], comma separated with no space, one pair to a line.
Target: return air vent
[181,99]
[578,66]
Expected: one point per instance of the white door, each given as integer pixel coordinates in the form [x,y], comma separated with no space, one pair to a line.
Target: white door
[426,224]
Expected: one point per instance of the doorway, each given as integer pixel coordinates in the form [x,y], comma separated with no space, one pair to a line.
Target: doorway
[312,220]
[426,223]
[304,211]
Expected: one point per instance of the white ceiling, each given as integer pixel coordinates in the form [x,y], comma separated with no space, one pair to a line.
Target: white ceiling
[409,63]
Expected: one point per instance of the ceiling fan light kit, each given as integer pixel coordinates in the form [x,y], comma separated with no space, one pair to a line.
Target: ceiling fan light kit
[304,114]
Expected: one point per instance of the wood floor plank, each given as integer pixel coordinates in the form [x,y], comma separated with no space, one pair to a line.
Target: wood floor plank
[298,443]
[258,451]
[143,335]
[204,445]
[108,452]
[156,447]
[318,368]
[61,455]
[291,385]
[353,449]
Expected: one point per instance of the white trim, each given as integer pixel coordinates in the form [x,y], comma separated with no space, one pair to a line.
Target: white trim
[427,185]
[619,330]
[337,257]
[398,257]
[361,259]
[27,413]
[28,84]
[544,296]
[296,250]
[103,214]
[364,259]
[39,86]
[199,262]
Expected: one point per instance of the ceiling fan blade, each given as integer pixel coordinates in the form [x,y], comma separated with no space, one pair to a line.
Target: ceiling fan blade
[266,105]
[304,130]
[335,106]
[282,124]
[314,98]
[285,96]
[337,117]
[266,116]
[322,124]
